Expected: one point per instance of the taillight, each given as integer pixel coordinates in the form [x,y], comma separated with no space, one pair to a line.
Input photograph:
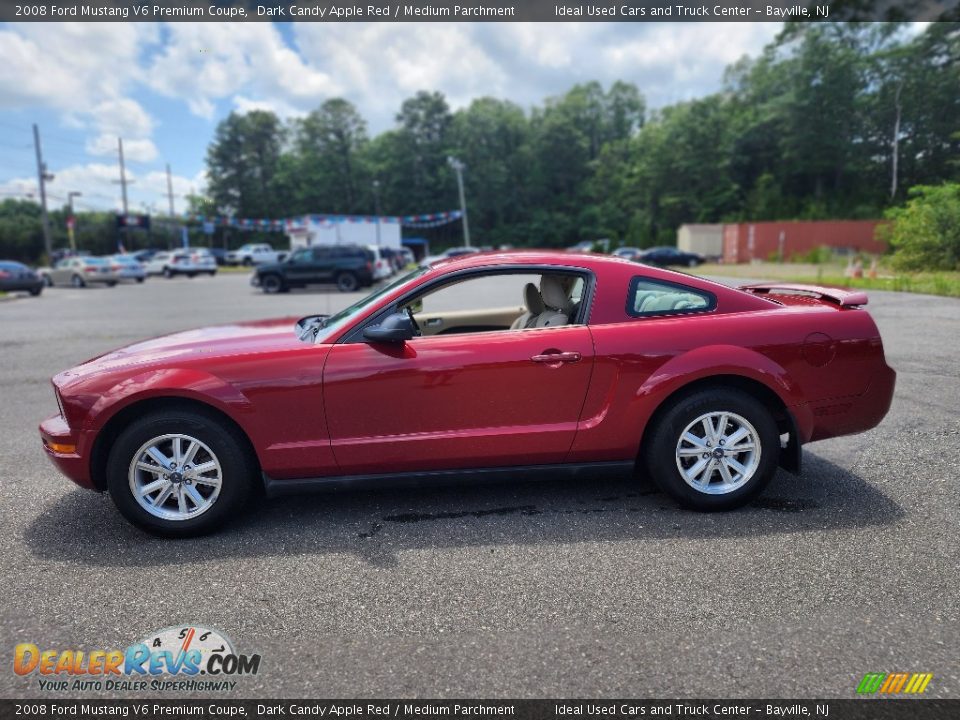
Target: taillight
[175,260]
[88,268]
[4,274]
[114,267]
[369,266]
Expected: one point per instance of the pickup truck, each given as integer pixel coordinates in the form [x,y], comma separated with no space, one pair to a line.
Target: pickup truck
[255,254]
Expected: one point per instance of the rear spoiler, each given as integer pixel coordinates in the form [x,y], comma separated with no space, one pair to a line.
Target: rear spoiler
[843,298]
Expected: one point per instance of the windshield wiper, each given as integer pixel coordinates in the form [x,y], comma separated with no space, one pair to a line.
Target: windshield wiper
[308,327]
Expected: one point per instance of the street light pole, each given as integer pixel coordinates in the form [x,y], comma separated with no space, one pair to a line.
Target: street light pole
[42,178]
[72,221]
[458,168]
[376,205]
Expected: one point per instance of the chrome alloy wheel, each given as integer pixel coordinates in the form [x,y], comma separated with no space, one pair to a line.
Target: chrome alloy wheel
[175,477]
[718,453]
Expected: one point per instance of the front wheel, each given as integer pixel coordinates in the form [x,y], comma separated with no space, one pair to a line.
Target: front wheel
[179,473]
[168,273]
[36,291]
[271,284]
[48,281]
[140,279]
[77,281]
[713,450]
[692,262]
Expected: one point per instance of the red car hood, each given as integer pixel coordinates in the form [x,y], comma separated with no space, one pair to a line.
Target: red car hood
[209,342]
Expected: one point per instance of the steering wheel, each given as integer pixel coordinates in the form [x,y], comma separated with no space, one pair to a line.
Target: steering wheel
[416,325]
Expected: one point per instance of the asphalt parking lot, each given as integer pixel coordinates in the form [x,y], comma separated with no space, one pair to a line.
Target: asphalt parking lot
[528,590]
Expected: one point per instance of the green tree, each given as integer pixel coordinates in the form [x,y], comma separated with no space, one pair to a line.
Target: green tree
[242,164]
[925,233]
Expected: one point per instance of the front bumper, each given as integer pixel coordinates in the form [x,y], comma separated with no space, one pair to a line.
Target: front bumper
[68,449]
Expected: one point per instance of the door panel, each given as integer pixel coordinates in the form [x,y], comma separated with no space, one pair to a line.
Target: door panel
[456,401]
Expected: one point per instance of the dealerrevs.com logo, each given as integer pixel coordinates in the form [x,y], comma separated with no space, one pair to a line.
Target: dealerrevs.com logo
[187,658]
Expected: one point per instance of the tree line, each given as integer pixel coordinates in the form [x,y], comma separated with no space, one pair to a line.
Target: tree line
[829,121]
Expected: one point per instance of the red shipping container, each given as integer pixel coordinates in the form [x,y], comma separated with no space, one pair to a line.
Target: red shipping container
[745,242]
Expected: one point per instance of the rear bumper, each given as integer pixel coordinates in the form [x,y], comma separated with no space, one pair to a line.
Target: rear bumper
[21,285]
[856,413]
[68,449]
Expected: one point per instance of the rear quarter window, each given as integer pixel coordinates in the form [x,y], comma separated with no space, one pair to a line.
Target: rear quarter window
[650,298]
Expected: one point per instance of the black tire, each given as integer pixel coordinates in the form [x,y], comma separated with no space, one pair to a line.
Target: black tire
[248,262]
[272,284]
[111,283]
[36,291]
[77,281]
[140,279]
[191,275]
[168,273]
[212,273]
[347,282]
[692,262]
[48,281]
[660,455]
[231,450]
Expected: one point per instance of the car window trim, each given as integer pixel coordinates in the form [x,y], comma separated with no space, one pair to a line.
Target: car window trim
[355,334]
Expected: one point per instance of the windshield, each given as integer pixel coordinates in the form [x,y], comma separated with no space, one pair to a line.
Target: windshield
[337,321]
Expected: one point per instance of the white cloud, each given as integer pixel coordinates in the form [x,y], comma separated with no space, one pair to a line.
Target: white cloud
[205,62]
[70,65]
[106,145]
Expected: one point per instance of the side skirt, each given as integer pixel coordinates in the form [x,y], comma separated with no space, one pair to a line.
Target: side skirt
[433,478]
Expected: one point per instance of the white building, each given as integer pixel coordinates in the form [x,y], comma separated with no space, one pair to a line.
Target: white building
[342,230]
[699,238]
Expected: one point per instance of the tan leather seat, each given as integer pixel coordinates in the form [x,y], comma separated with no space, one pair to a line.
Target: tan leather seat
[556,301]
[534,304]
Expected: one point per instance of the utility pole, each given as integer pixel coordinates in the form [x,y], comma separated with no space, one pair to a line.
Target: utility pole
[376,204]
[123,177]
[42,177]
[123,187]
[72,220]
[170,191]
[459,167]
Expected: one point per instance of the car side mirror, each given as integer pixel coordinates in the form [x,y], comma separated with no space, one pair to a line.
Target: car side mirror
[395,328]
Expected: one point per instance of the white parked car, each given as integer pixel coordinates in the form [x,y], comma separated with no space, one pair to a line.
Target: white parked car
[185,261]
[382,267]
[254,254]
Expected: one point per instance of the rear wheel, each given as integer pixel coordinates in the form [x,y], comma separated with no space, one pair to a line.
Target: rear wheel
[271,284]
[140,279]
[168,273]
[36,291]
[111,283]
[713,450]
[179,473]
[692,262]
[48,281]
[347,282]
[77,281]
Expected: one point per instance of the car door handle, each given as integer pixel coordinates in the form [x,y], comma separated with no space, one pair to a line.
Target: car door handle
[557,357]
[434,321]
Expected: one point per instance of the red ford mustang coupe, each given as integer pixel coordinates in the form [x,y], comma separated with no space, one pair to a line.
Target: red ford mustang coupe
[509,364]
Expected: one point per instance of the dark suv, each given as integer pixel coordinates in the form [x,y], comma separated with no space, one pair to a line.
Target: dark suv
[349,266]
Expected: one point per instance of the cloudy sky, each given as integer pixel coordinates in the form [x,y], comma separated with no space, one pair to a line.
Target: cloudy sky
[163,88]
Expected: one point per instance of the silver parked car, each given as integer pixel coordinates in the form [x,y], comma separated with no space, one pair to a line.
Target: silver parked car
[127,268]
[80,272]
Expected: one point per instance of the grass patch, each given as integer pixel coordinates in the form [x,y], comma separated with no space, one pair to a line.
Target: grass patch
[235,269]
[946,284]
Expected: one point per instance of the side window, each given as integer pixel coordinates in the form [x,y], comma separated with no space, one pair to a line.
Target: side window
[321,253]
[499,301]
[654,297]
